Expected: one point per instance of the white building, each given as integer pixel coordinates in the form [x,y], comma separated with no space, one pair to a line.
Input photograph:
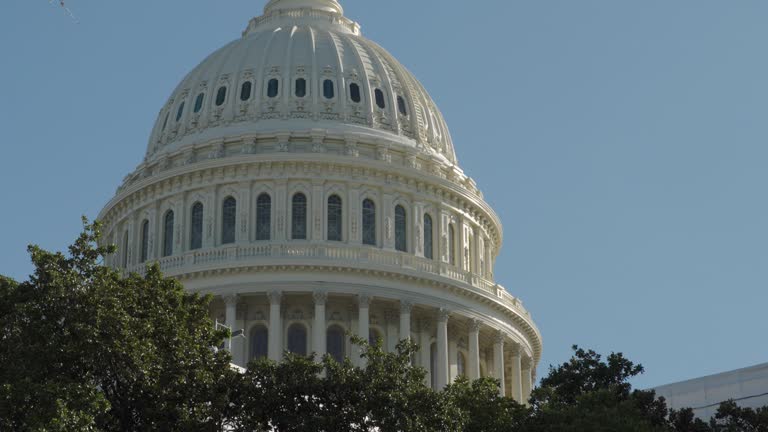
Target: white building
[305,178]
[748,387]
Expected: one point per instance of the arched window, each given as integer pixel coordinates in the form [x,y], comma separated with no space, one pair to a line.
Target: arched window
[124,251]
[259,342]
[196,227]
[374,336]
[401,226]
[297,339]
[328,90]
[401,106]
[451,245]
[428,246]
[301,87]
[335,341]
[263,217]
[380,98]
[354,92]
[461,364]
[199,102]
[165,122]
[273,87]
[299,217]
[144,241]
[334,218]
[221,96]
[180,111]
[245,91]
[228,215]
[168,234]
[369,222]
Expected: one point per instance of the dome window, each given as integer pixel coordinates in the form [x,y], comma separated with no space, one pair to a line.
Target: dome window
[228,216]
[168,234]
[273,87]
[335,341]
[369,222]
[297,339]
[196,228]
[334,218]
[328,90]
[301,87]
[299,217]
[165,122]
[401,106]
[245,91]
[263,217]
[401,226]
[199,102]
[221,96]
[259,342]
[380,98]
[180,111]
[354,92]
[144,240]
[428,243]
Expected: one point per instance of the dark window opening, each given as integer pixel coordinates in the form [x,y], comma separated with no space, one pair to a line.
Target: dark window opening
[354,92]
[221,96]
[401,106]
[245,91]
[229,212]
[199,102]
[379,98]
[299,217]
[180,111]
[273,87]
[301,87]
[328,91]
[196,230]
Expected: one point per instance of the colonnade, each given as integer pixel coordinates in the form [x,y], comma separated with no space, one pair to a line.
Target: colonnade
[482,345]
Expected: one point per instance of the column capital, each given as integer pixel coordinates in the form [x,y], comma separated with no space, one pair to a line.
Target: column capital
[499,337]
[275,297]
[405,306]
[443,314]
[515,349]
[474,325]
[230,299]
[526,362]
[320,297]
[364,300]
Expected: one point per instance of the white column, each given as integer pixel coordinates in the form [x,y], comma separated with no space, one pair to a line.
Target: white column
[425,350]
[474,350]
[517,382]
[405,320]
[527,368]
[498,360]
[231,321]
[275,349]
[318,328]
[363,323]
[442,349]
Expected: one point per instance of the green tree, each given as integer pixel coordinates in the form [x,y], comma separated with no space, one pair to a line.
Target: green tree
[483,409]
[732,418]
[84,348]
[388,395]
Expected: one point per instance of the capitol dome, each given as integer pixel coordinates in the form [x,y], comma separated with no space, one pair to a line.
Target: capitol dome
[303,177]
[301,66]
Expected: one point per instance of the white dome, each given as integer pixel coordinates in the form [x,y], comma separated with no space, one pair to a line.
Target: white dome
[302,47]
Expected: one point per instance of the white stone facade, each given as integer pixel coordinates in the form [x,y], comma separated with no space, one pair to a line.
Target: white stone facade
[748,387]
[345,242]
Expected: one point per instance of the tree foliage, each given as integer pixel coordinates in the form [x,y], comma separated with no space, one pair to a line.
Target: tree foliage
[86,348]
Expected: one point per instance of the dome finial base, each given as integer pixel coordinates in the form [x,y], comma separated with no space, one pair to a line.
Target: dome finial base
[332,6]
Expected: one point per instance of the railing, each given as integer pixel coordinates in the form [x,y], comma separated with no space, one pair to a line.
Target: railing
[353,255]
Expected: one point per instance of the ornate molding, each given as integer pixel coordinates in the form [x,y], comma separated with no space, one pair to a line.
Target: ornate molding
[275,297]
[320,297]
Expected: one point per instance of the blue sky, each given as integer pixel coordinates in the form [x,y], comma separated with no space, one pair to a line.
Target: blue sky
[623,145]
